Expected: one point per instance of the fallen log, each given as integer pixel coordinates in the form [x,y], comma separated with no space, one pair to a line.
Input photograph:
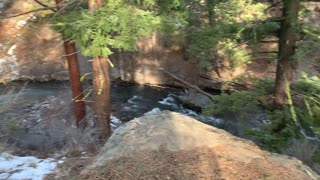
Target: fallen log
[186,83]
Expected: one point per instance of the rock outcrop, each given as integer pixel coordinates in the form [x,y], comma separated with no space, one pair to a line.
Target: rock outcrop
[169,145]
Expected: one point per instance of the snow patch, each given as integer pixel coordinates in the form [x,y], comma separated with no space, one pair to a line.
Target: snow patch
[60,162]
[9,65]
[21,168]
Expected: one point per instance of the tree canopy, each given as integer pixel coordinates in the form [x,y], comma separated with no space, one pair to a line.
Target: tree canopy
[117,25]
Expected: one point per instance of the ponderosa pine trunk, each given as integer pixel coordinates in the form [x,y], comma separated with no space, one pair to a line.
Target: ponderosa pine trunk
[74,75]
[288,38]
[101,86]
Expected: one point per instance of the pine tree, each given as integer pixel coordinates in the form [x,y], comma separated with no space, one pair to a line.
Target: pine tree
[101,85]
[288,39]
[99,30]
[74,74]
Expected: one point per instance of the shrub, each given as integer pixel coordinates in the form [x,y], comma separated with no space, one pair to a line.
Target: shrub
[276,135]
[264,86]
[9,127]
[285,126]
[236,104]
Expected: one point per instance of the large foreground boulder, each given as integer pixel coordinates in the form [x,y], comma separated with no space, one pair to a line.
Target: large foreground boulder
[169,145]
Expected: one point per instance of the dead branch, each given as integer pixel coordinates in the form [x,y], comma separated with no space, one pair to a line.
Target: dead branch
[44,5]
[44,8]
[186,83]
[273,5]
[219,80]
[28,12]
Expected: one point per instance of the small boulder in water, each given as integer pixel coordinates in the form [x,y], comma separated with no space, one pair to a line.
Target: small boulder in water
[193,98]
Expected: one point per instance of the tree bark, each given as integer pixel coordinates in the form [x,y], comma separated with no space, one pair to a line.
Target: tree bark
[74,75]
[288,38]
[101,86]
[76,87]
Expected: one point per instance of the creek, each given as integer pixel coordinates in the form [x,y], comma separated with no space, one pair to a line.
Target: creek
[31,104]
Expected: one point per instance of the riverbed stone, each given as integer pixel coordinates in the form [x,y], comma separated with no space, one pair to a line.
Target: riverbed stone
[194,98]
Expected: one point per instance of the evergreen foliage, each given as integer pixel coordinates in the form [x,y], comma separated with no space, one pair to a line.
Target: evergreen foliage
[309,111]
[239,104]
[237,26]
[310,31]
[117,25]
[277,135]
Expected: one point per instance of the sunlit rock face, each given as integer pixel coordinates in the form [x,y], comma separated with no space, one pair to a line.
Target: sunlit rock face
[29,51]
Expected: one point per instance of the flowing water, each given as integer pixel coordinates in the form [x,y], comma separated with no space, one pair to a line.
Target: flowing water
[32,104]
[128,101]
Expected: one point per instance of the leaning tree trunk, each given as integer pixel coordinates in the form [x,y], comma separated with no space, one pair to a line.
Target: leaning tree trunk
[101,86]
[74,75]
[288,38]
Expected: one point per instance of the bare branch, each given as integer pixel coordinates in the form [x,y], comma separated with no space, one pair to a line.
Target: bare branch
[28,12]
[273,5]
[61,7]
[44,5]
[186,83]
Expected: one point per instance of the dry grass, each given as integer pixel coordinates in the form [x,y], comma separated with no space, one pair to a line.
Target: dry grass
[70,169]
[8,121]
[58,125]
[196,164]
[43,128]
